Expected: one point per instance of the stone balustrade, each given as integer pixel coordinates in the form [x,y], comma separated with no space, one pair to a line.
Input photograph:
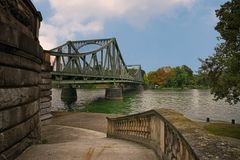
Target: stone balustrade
[154,131]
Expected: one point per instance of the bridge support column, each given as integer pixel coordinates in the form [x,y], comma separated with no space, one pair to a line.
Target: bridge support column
[140,88]
[69,94]
[114,93]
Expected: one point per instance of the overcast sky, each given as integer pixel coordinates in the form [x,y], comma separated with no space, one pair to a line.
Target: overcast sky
[153,33]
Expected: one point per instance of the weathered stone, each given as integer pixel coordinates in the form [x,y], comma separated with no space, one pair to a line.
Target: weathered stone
[46,68]
[46,75]
[44,111]
[18,61]
[1,121]
[20,114]
[17,77]
[9,35]
[45,99]
[28,45]
[45,87]
[17,149]
[45,81]
[46,105]
[45,93]
[21,57]
[11,136]
[10,15]
[1,75]
[16,38]
[17,96]
[46,117]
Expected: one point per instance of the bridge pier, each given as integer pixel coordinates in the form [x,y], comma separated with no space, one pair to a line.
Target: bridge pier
[114,93]
[140,88]
[69,94]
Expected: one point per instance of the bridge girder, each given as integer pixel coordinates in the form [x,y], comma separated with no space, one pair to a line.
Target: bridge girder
[103,63]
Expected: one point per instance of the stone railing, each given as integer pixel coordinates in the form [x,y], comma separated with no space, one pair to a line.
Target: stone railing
[154,131]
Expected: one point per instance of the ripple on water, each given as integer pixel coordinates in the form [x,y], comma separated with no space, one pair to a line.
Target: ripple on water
[194,104]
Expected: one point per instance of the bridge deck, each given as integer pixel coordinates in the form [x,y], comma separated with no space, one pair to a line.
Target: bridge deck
[65,140]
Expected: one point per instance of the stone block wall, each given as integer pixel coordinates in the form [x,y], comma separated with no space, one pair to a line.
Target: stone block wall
[20,67]
[45,90]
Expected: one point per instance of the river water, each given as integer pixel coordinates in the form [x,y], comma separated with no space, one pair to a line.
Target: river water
[194,104]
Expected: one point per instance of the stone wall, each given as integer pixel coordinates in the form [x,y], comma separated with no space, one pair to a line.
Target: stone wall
[20,67]
[154,131]
[45,87]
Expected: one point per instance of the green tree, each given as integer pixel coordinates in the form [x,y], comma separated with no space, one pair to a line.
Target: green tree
[146,81]
[223,68]
[184,76]
[201,79]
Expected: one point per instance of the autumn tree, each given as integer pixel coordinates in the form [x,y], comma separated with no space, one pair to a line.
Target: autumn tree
[162,76]
[223,68]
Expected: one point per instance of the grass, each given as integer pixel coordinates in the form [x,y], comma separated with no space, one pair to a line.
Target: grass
[227,130]
[111,106]
[107,106]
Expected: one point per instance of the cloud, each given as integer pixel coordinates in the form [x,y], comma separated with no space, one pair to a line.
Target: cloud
[89,17]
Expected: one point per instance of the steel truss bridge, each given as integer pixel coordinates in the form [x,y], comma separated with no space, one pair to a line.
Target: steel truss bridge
[92,61]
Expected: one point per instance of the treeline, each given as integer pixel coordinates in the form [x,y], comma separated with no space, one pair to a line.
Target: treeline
[175,77]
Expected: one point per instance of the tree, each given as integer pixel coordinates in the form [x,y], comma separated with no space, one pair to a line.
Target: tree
[162,77]
[201,79]
[146,81]
[184,76]
[223,68]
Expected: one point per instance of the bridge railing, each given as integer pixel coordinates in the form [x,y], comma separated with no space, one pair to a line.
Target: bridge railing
[154,131]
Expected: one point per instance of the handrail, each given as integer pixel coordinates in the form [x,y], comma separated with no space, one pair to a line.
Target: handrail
[154,131]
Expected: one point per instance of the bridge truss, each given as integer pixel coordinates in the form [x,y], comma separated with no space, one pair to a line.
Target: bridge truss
[102,63]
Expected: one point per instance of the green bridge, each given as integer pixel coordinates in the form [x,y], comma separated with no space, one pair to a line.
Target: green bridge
[102,63]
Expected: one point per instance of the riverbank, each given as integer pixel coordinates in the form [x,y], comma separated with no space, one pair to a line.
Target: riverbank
[223,129]
[207,145]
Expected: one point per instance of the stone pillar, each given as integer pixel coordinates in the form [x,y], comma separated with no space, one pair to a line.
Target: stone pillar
[20,67]
[114,93]
[45,87]
[69,94]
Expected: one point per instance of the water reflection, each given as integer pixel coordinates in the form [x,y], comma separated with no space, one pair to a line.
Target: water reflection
[194,104]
